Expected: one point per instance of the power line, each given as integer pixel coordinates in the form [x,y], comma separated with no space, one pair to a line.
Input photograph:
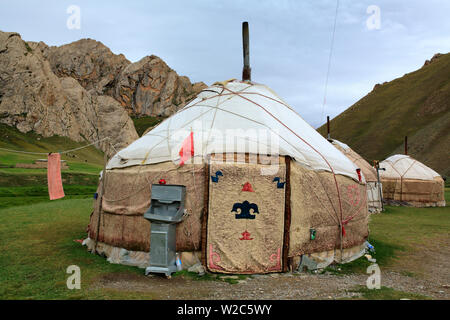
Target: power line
[329,61]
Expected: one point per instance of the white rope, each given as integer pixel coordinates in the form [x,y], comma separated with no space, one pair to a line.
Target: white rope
[61,152]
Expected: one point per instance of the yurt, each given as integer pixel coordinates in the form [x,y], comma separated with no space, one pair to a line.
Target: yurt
[265,192]
[374,188]
[407,181]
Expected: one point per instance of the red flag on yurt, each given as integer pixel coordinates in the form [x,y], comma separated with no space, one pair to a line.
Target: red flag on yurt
[55,187]
[187,149]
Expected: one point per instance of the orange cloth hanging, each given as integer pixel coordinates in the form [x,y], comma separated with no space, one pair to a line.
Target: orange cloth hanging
[55,187]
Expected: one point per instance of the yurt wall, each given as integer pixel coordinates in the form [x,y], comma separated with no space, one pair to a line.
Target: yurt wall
[315,205]
[126,196]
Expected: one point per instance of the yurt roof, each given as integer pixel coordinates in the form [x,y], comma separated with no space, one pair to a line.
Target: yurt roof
[368,171]
[406,167]
[233,111]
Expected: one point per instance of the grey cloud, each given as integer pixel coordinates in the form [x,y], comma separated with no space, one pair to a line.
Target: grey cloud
[290,40]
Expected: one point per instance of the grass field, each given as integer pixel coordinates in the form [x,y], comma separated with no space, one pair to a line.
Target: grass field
[143,123]
[37,245]
[19,186]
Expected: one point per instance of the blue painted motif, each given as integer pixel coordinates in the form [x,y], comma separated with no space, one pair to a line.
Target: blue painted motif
[245,208]
[216,178]
[280,185]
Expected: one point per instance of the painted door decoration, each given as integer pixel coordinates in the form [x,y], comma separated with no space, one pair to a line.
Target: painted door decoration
[246,218]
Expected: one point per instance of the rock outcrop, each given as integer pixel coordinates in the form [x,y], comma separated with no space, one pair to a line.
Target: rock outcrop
[33,98]
[150,87]
[88,61]
[84,91]
[147,87]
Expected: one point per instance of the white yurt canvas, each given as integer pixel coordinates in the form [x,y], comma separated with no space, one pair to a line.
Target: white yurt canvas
[227,118]
[408,181]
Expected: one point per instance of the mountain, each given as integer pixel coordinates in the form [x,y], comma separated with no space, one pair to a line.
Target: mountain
[147,87]
[83,91]
[416,105]
[33,98]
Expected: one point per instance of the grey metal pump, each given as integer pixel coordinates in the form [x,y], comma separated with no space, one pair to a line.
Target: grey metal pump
[165,211]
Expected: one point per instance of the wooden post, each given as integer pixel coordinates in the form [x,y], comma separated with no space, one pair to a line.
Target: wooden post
[246,72]
[328,127]
[287,215]
[101,195]
[406,145]
[205,213]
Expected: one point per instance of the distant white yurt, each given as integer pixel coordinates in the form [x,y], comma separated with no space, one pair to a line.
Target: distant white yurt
[250,150]
[374,188]
[408,181]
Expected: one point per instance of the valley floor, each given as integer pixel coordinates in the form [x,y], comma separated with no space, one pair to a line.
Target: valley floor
[37,245]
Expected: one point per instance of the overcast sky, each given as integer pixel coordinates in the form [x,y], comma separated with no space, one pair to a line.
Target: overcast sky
[290,41]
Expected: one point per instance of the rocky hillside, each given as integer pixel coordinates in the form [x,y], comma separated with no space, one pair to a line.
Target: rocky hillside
[416,105]
[147,87]
[84,91]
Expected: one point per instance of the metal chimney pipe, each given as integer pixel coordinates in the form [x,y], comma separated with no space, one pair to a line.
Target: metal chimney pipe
[406,145]
[246,72]
[328,127]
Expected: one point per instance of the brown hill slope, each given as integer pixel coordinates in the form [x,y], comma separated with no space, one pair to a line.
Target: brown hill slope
[416,105]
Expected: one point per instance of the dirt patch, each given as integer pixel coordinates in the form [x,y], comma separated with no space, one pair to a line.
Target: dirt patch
[428,261]
[286,286]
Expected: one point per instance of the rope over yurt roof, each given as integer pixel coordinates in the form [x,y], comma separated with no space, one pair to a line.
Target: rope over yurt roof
[367,170]
[405,167]
[234,111]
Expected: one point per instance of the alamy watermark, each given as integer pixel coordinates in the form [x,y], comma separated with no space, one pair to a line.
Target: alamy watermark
[255,146]
[374,20]
[374,280]
[74,20]
[73,281]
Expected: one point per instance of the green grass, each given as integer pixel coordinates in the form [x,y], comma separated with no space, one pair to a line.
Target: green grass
[19,196]
[143,123]
[19,186]
[84,165]
[11,138]
[25,179]
[398,234]
[36,245]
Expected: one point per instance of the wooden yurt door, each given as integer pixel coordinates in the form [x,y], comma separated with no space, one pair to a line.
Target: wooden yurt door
[245,227]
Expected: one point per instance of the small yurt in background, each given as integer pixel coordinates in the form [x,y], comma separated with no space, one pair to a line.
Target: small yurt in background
[410,182]
[374,188]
